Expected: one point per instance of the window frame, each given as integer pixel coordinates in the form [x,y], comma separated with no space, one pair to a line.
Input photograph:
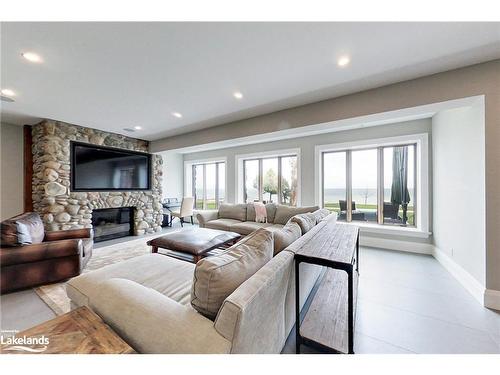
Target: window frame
[421,180]
[380,181]
[189,179]
[261,176]
[240,175]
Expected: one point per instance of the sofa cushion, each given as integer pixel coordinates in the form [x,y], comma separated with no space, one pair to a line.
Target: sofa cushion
[168,276]
[271,212]
[270,208]
[306,221]
[285,236]
[321,214]
[221,224]
[284,213]
[23,229]
[248,227]
[274,227]
[216,277]
[233,211]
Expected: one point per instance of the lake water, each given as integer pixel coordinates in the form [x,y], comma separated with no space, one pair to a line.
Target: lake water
[359,196]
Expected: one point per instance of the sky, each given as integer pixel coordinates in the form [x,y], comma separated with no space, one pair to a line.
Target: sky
[364,166]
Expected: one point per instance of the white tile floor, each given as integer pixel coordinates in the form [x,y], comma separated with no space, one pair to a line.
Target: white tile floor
[408,303]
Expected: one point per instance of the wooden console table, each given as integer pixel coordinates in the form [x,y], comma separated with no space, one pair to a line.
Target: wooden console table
[80,331]
[328,323]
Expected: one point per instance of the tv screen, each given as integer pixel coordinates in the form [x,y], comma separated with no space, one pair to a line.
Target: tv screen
[100,168]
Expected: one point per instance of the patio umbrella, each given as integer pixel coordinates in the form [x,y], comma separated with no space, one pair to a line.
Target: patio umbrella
[399,190]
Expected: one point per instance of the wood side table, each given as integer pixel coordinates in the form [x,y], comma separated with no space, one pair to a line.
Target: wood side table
[328,323]
[80,331]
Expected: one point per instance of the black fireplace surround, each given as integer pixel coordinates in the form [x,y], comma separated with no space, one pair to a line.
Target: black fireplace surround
[110,223]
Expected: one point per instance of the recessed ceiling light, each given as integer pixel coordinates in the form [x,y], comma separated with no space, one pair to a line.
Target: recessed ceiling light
[8,92]
[238,95]
[176,114]
[32,57]
[138,127]
[343,61]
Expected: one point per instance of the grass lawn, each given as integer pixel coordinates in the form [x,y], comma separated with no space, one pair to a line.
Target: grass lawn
[210,205]
[335,207]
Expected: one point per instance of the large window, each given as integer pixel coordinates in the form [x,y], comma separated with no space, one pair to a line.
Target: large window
[376,184]
[208,184]
[272,179]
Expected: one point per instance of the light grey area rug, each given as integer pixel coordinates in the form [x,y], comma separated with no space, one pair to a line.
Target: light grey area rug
[54,295]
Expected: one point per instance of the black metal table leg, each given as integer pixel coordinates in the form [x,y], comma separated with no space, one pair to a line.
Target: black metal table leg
[357,254]
[350,312]
[297,308]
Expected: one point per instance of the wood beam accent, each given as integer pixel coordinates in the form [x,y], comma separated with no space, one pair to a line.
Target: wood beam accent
[28,169]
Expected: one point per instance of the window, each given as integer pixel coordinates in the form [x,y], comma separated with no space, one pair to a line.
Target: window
[335,182]
[271,179]
[364,185]
[208,182]
[375,185]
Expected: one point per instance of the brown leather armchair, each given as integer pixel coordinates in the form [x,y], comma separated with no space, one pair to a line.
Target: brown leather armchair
[29,256]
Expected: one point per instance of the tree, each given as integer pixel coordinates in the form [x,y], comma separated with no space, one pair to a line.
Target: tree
[269,183]
[286,192]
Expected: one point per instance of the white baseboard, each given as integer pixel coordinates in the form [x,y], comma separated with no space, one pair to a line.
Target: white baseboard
[473,286]
[385,243]
[492,299]
[486,297]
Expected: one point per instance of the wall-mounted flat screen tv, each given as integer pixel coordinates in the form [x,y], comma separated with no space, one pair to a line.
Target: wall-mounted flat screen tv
[98,168]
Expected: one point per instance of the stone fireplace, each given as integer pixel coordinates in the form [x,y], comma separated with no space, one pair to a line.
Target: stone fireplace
[62,209]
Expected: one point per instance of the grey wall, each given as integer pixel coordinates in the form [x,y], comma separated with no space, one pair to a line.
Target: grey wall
[459,188]
[173,175]
[480,79]
[12,170]
[307,152]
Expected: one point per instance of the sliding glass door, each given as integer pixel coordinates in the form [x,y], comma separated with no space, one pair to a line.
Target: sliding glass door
[375,185]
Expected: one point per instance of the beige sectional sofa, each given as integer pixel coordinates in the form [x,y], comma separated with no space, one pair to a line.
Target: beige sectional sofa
[240,218]
[148,300]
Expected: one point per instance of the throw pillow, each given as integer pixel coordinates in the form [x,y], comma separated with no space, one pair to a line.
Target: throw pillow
[23,229]
[305,221]
[30,229]
[260,212]
[284,213]
[321,214]
[216,277]
[285,236]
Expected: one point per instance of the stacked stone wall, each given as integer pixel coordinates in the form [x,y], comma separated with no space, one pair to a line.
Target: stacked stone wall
[62,209]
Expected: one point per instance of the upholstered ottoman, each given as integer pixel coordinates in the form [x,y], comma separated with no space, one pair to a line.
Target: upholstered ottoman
[193,244]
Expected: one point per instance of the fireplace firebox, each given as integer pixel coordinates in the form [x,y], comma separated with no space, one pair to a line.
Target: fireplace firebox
[110,223]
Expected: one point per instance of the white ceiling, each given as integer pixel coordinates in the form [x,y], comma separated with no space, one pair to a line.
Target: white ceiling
[113,76]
